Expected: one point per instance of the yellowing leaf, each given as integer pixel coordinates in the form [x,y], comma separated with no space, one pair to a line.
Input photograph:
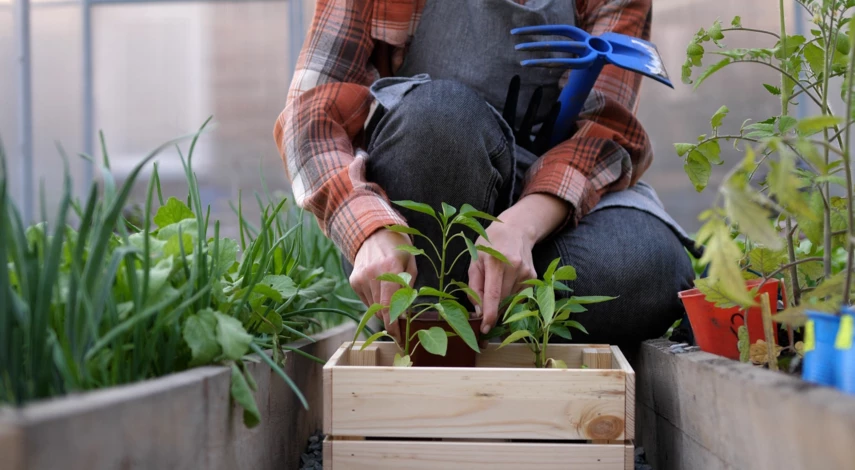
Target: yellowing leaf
[555,364]
[765,260]
[723,255]
[752,219]
[698,168]
[402,361]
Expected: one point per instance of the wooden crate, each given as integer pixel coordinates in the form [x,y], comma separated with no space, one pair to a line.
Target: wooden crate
[501,414]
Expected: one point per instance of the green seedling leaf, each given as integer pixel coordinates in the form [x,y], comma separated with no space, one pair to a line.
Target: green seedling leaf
[448,211]
[201,336]
[417,206]
[469,211]
[401,301]
[410,249]
[577,325]
[683,149]
[515,336]
[533,282]
[431,292]
[492,252]
[565,273]
[174,247]
[550,271]
[173,212]
[520,315]
[723,256]
[815,57]
[366,317]
[474,225]
[560,286]
[274,327]
[473,252]
[786,123]
[561,331]
[225,257]
[457,317]
[242,394]
[403,229]
[232,337]
[712,293]
[468,291]
[590,299]
[772,89]
[752,218]
[764,260]
[546,302]
[699,169]
[555,364]
[400,361]
[185,227]
[812,125]
[434,340]
[400,279]
[374,338]
[719,115]
[737,22]
[268,292]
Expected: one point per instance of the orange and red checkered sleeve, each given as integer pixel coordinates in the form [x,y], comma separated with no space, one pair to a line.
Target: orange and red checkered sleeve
[328,103]
[611,150]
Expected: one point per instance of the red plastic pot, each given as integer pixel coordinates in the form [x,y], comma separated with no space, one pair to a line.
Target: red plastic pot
[458,354]
[716,328]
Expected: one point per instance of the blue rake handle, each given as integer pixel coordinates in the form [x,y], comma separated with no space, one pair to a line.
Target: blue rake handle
[592,53]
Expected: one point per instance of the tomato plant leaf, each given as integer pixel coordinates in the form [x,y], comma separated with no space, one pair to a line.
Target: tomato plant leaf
[772,89]
[812,125]
[711,70]
[683,149]
[718,117]
[699,169]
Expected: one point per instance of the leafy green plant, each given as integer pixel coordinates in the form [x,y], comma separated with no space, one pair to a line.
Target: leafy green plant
[534,315]
[403,302]
[793,224]
[116,301]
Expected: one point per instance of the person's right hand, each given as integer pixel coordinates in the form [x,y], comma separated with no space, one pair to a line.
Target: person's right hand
[375,257]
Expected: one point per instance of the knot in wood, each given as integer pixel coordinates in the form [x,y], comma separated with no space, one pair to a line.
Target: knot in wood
[605,427]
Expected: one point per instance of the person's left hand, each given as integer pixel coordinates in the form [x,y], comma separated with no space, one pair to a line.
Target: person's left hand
[523,225]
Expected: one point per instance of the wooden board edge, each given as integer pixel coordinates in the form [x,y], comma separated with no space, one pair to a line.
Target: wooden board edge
[629,456]
[619,362]
[327,453]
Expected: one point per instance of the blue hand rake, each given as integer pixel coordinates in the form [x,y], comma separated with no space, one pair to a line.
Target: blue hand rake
[592,53]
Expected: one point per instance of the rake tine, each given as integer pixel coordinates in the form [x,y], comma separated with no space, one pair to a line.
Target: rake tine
[554,30]
[574,63]
[573,47]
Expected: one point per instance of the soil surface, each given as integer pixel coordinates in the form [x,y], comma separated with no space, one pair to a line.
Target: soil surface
[313,458]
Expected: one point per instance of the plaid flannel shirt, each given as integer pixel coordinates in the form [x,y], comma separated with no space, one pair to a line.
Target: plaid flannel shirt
[352,43]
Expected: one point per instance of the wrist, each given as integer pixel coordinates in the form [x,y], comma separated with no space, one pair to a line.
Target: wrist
[536,216]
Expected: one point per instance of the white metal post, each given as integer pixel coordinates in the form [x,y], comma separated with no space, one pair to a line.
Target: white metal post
[25,107]
[88,95]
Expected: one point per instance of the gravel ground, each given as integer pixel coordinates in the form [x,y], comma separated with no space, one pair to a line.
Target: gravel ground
[313,458]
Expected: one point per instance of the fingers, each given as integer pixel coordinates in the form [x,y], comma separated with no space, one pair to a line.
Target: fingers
[493,277]
[476,279]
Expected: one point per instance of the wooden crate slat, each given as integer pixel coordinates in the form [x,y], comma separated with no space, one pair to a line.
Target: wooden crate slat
[477,403]
[619,362]
[428,455]
[594,358]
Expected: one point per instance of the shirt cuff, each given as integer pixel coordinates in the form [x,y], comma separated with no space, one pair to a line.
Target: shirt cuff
[561,180]
[357,218]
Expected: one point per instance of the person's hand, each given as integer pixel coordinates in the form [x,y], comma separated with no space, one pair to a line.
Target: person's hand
[523,225]
[378,255]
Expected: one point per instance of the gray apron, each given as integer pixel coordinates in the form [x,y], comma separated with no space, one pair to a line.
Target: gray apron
[469,41]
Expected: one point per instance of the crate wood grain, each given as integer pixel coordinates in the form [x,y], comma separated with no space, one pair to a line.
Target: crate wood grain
[431,455]
[504,397]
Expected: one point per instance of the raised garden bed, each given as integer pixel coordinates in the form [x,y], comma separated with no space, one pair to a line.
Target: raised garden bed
[701,411]
[182,421]
[502,414]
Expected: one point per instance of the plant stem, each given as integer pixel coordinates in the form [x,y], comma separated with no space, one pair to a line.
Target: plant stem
[788,266]
[769,332]
[850,248]
[826,188]
[442,258]
[770,33]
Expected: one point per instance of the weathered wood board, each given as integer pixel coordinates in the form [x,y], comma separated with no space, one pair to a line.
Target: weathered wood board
[701,411]
[182,421]
[503,413]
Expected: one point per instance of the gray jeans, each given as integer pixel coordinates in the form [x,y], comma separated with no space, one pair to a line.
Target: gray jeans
[443,143]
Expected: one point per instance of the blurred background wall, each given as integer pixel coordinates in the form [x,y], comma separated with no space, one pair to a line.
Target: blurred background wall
[161,68]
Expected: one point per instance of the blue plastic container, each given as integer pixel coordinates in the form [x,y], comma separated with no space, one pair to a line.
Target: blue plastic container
[846,352]
[820,362]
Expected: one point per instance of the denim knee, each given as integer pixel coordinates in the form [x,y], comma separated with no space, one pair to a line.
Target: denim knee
[441,138]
